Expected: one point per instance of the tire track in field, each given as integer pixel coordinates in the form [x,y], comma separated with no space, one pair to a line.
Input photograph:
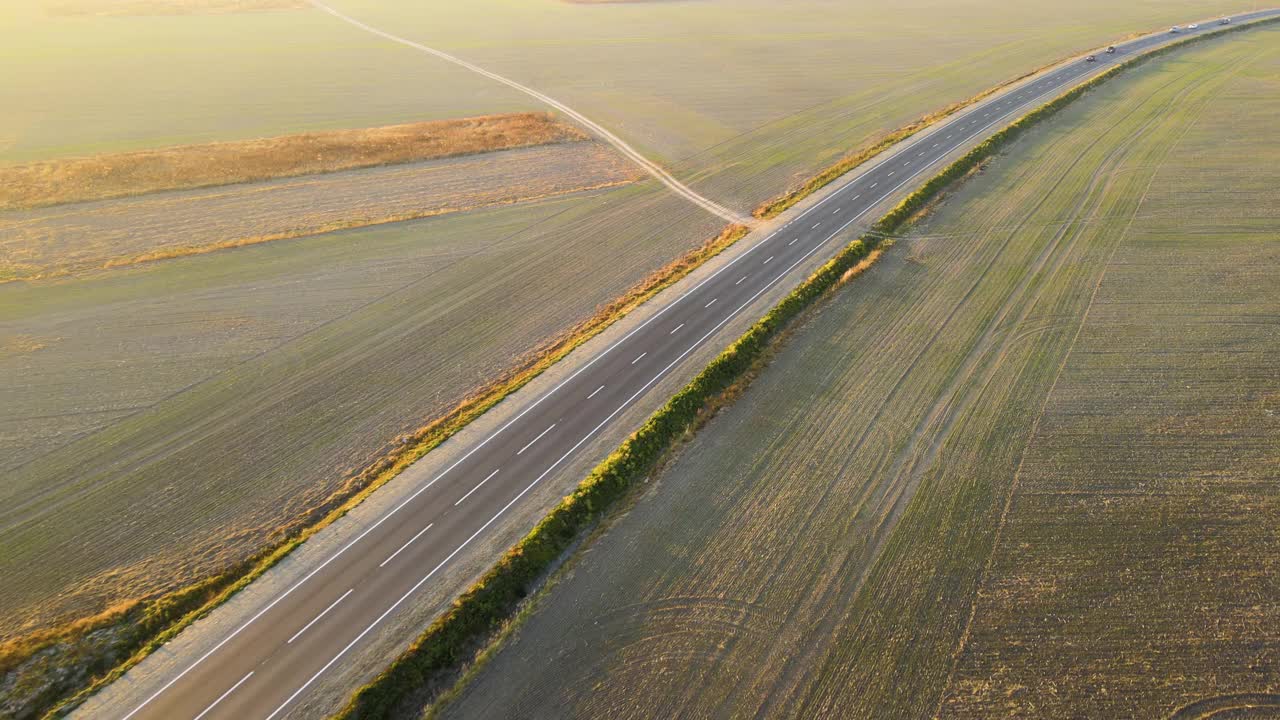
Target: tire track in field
[859,564]
[1224,74]
[907,471]
[872,493]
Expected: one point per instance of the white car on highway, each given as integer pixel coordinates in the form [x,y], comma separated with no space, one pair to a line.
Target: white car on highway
[1192,26]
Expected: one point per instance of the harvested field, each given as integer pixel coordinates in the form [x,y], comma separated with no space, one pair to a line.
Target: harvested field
[103,177]
[817,549]
[113,233]
[167,419]
[124,8]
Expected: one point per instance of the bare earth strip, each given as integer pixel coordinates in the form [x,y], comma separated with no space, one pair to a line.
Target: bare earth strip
[816,550]
[111,233]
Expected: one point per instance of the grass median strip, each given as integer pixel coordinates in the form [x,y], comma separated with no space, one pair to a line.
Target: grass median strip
[452,639]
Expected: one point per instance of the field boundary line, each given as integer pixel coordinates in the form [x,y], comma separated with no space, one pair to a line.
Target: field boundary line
[634,155]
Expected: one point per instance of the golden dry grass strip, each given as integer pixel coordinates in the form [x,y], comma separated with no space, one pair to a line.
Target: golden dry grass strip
[102,177]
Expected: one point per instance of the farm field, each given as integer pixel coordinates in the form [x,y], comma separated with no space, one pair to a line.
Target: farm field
[741,99]
[817,549]
[92,84]
[1141,550]
[109,233]
[737,98]
[174,415]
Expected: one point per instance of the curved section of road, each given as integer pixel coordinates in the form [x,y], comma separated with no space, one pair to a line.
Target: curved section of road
[645,163]
[282,647]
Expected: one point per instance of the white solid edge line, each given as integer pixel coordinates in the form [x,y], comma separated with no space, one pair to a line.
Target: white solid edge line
[408,542]
[477,487]
[223,696]
[531,442]
[324,612]
[552,391]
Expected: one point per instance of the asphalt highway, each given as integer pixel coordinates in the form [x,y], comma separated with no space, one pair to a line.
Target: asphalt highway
[271,660]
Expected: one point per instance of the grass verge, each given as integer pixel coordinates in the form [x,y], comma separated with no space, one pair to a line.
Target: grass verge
[488,605]
[101,177]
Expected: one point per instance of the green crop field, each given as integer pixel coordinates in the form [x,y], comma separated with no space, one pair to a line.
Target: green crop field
[1085,334]
[173,415]
[82,85]
[167,420]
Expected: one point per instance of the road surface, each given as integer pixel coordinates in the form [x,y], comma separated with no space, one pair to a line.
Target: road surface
[263,666]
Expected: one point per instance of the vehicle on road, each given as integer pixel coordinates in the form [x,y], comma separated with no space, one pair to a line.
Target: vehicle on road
[1224,21]
[1175,29]
[1091,58]
[1192,26]
[1111,49]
